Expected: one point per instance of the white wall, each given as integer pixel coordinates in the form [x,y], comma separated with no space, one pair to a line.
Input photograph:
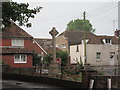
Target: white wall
[91,53]
[74,54]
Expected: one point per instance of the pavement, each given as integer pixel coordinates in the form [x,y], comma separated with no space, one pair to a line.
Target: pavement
[20,85]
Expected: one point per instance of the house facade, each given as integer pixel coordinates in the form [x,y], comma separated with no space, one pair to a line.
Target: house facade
[68,38]
[100,50]
[62,43]
[18,47]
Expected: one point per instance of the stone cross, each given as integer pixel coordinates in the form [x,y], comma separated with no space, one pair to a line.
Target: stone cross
[53,33]
[54,68]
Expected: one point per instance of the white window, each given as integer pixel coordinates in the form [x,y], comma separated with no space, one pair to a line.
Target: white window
[86,41]
[98,56]
[63,46]
[17,42]
[107,41]
[56,45]
[20,58]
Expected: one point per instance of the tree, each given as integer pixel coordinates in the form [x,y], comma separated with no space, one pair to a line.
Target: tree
[64,60]
[36,59]
[12,11]
[80,25]
[47,59]
[64,56]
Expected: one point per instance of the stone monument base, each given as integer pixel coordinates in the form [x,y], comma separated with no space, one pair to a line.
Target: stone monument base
[54,70]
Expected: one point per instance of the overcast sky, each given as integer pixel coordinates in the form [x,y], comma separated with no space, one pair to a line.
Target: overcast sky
[102,15]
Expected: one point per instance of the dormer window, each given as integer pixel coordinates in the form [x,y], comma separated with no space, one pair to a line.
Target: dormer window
[86,40]
[107,41]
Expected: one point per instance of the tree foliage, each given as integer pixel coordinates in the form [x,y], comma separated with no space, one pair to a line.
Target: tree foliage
[47,59]
[64,56]
[12,11]
[80,25]
[36,59]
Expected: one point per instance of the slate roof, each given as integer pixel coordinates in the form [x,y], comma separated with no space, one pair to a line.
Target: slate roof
[43,41]
[14,51]
[99,39]
[50,49]
[74,37]
[14,31]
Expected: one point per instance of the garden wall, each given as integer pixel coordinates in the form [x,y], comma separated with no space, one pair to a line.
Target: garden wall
[101,82]
[40,79]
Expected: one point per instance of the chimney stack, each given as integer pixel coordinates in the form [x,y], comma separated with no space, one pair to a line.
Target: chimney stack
[117,33]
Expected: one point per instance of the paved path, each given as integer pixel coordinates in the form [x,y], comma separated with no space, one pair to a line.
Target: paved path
[20,85]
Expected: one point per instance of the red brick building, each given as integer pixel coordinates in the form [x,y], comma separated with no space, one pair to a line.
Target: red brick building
[17,47]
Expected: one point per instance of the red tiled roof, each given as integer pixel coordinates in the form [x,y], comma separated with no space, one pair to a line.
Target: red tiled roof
[15,51]
[15,31]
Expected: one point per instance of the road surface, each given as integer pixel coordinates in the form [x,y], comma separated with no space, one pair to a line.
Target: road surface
[20,85]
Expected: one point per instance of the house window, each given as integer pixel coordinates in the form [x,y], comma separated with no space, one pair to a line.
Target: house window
[98,56]
[107,41]
[63,46]
[77,49]
[56,45]
[20,58]
[85,41]
[17,42]
[112,55]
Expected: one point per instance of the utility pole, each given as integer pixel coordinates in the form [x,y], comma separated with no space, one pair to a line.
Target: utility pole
[119,15]
[0,16]
[85,56]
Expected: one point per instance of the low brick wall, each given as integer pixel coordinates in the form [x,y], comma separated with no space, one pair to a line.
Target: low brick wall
[40,79]
[27,70]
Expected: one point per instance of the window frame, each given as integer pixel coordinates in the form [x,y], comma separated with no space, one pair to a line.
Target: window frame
[77,48]
[20,59]
[108,41]
[98,56]
[17,42]
[63,45]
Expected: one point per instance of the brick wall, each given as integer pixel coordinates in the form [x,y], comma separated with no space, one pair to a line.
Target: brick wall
[30,45]
[6,42]
[9,59]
